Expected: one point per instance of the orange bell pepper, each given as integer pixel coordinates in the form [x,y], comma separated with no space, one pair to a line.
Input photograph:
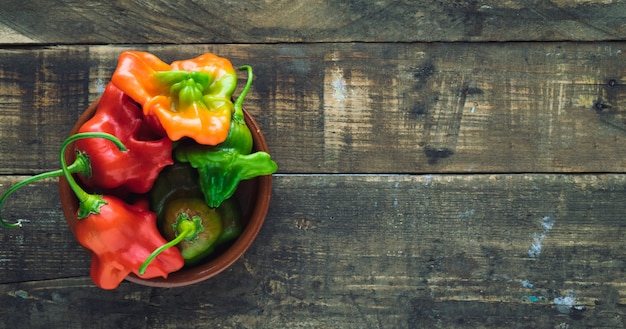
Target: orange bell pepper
[189,98]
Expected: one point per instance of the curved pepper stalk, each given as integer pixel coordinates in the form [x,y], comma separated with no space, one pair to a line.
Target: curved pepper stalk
[81,166]
[196,229]
[221,168]
[119,235]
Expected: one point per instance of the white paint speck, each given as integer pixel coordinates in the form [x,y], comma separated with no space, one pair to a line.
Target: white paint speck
[467,214]
[428,179]
[100,85]
[547,223]
[535,249]
[565,304]
[339,85]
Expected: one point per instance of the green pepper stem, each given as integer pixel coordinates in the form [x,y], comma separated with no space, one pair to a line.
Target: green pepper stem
[86,200]
[81,165]
[189,230]
[239,102]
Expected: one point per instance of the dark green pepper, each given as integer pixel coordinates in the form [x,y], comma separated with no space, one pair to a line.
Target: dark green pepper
[231,221]
[196,229]
[223,166]
[200,225]
[179,180]
[185,219]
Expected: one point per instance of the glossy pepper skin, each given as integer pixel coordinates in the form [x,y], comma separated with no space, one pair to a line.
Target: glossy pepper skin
[179,180]
[231,221]
[196,229]
[120,235]
[221,168]
[177,200]
[189,98]
[134,170]
[206,226]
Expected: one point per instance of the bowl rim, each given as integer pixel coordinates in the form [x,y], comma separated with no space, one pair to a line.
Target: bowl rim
[198,273]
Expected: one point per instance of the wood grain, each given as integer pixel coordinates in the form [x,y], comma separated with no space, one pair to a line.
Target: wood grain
[442,164]
[263,21]
[365,108]
[401,251]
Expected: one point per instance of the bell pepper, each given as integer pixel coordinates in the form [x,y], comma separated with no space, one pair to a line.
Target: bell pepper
[222,167]
[134,170]
[120,235]
[196,229]
[205,224]
[185,219]
[179,180]
[189,98]
[231,221]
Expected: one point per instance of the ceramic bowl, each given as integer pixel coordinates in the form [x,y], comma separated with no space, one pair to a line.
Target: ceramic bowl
[253,197]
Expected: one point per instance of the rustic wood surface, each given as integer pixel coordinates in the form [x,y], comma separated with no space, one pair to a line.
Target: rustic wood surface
[429,177]
[268,21]
[336,108]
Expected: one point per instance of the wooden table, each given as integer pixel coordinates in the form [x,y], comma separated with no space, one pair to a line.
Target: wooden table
[445,164]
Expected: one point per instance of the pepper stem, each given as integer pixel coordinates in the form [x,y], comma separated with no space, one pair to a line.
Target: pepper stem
[81,165]
[88,203]
[186,229]
[239,102]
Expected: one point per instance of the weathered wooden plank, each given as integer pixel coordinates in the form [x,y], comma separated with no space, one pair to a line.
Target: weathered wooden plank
[43,93]
[27,253]
[256,21]
[390,251]
[365,108]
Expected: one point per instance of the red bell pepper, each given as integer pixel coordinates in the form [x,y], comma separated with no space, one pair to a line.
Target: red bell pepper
[120,236]
[134,170]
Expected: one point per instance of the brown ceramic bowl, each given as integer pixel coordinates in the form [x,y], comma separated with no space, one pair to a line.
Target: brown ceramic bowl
[253,197]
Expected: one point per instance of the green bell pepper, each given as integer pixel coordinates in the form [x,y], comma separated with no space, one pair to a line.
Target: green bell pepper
[185,219]
[222,167]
